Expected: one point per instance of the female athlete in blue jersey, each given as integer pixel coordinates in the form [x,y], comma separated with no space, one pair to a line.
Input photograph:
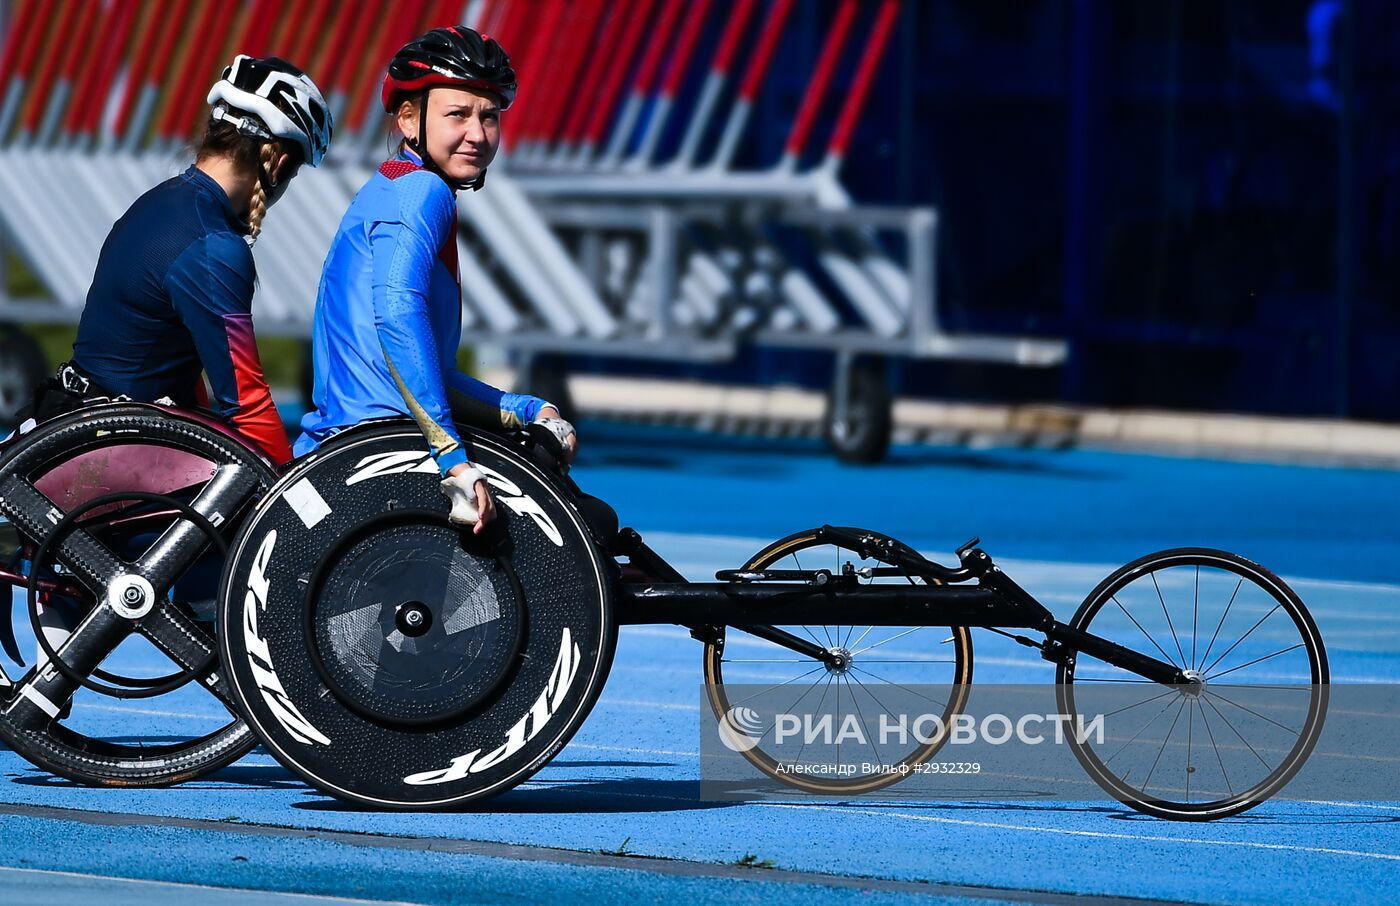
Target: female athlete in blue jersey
[388,312]
[173,291]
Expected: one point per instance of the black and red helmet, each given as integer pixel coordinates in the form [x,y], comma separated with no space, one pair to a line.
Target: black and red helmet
[456,56]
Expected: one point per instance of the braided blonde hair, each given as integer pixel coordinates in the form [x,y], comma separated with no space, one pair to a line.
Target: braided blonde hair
[257,208]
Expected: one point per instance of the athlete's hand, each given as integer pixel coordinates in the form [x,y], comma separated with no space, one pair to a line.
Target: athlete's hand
[470,496]
[562,430]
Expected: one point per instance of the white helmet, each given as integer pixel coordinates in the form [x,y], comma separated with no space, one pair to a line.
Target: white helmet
[271,98]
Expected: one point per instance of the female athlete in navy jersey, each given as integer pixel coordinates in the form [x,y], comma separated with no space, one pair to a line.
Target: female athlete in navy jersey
[388,313]
[173,291]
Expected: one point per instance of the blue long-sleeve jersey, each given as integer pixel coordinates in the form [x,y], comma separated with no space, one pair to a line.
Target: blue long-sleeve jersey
[388,317]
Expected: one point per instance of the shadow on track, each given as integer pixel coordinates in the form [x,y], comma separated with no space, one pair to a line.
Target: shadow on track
[248,776]
[635,795]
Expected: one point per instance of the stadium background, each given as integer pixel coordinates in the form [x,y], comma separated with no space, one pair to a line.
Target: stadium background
[1200,198]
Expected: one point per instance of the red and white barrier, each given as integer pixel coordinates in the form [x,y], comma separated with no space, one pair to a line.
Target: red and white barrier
[602,84]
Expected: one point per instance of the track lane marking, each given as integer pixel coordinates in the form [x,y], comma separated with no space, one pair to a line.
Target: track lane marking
[656,865]
[965,822]
[186,885]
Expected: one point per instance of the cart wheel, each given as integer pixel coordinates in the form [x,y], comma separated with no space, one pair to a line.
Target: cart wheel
[1222,745]
[393,659]
[22,367]
[131,615]
[877,663]
[859,416]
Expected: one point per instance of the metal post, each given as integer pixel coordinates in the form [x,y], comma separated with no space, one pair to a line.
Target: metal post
[714,83]
[536,58]
[100,82]
[590,256]
[139,95]
[1086,27]
[646,75]
[753,80]
[922,236]
[841,392]
[575,33]
[818,83]
[675,77]
[588,103]
[611,89]
[663,235]
[1346,203]
[18,57]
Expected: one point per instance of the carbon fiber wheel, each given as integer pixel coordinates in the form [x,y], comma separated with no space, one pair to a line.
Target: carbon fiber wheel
[127,573]
[393,659]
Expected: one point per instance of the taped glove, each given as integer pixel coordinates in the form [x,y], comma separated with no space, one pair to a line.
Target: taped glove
[553,435]
[461,490]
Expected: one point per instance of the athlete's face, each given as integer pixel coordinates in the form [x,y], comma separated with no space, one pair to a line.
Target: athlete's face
[464,130]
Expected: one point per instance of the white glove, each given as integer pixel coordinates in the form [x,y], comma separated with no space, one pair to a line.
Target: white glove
[461,490]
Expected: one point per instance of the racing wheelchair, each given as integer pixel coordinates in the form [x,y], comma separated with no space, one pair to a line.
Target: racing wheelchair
[393,659]
[108,508]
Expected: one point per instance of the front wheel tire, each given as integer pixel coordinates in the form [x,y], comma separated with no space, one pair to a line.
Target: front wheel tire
[1213,748]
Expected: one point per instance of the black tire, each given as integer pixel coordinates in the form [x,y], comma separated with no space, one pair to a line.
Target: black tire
[22,367]
[781,667]
[863,434]
[48,459]
[370,707]
[1257,650]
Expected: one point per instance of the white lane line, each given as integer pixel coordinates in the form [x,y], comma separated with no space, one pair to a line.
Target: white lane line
[156,712]
[184,885]
[638,703]
[597,748]
[661,631]
[1145,838]
[37,697]
[1392,807]
[1346,585]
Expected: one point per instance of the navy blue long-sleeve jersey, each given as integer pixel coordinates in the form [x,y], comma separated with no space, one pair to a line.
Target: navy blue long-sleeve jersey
[172,296]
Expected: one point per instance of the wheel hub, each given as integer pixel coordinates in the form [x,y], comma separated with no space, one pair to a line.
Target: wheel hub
[131,597]
[413,618]
[840,663]
[1196,680]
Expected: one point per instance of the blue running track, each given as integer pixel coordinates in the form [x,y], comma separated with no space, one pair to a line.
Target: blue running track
[617,816]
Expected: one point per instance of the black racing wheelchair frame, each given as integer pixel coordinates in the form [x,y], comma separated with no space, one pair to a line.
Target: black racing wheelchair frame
[393,659]
[784,596]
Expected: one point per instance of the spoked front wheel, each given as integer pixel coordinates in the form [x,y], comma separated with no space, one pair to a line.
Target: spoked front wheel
[1233,737]
[868,671]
